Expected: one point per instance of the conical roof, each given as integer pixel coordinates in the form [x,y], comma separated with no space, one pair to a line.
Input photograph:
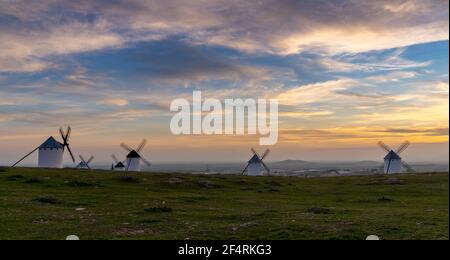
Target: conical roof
[82,165]
[51,143]
[119,165]
[133,154]
[392,156]
[254,159]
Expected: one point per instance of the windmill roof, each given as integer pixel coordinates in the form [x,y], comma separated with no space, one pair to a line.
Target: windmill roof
[133,154]
[119,165]
[255,159]
[81,165]
[392,156]
[51,143]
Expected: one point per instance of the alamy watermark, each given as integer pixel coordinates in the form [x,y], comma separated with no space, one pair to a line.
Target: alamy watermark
[234,117]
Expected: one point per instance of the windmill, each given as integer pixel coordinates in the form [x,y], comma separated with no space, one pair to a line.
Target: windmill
[393,163]
[255,164]
[117,165]
[85,164]
[51,152]
[134,158]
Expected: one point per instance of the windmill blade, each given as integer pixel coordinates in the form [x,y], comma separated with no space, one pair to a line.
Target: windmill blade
[82,159]
[63,135]
[90,159]
[126,147]
[408,167]
[384,146]
[265,154]
[255,152]
[146,162]
[265,167]
[114,158]
[243,172]
[141,146]
[403,147]
[69,130]
[70,152]
[23,158]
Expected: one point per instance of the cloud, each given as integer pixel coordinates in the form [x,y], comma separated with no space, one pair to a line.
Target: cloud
[29,50]
[428,131]
[336,27]
[316,92]
[115,102]
[178,60]
[418,109]
[32,32]
[372,62]
[360,39]
[393,77]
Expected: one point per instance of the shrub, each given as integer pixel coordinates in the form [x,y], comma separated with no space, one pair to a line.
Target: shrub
[80,184]
[317,210]
[158,210]
[34,180]
[129,179]
[47,200]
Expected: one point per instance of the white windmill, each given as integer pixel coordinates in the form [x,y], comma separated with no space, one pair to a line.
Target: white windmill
[134,158]
[255,165]
[51,152]
[393,163]
[85,164]
[117,165]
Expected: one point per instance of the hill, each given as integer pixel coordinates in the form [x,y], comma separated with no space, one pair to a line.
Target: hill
[52,204]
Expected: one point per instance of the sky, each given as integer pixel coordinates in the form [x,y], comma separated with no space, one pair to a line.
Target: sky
[347,73]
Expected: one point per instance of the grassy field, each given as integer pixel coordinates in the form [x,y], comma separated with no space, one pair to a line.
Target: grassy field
[52,204]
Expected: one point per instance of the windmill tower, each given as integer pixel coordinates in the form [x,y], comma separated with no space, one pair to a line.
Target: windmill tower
[134,159]
[393,163]
[51,152]
[85,164]
[255,165]
[117,165]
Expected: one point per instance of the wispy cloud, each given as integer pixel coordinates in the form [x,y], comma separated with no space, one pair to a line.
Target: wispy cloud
[28,50]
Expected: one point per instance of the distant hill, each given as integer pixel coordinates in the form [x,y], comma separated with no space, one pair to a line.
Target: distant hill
[301,164]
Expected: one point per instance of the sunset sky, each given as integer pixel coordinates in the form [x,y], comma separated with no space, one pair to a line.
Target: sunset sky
[347,73]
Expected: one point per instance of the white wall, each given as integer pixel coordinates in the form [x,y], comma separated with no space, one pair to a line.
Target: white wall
[394,167]
[254,169]
[134,164]
[50,158]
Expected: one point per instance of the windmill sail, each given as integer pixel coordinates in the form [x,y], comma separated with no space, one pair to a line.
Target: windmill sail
[255,164]
[134,157]
[393,163]
[65,138]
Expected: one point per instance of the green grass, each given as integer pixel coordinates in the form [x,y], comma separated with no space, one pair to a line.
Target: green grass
[52,204]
